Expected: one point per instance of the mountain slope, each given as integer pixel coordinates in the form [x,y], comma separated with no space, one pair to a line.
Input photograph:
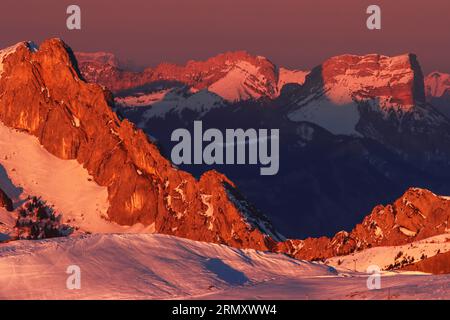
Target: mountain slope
[417,215]
[356,132]
[335,91]
[43,95]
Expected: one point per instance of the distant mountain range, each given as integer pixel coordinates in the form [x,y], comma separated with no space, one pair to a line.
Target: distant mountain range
[356,131]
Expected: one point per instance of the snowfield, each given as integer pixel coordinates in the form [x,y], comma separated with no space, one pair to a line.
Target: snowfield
[144,266]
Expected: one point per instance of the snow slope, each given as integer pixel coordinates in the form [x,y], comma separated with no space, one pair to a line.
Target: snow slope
[138,266]
[338,119]
[241,82]
[27,169]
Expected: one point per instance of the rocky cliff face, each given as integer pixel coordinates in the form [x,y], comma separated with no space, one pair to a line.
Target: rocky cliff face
[437,84]
[5,201]
[417,215]
[392,81]
[42,93]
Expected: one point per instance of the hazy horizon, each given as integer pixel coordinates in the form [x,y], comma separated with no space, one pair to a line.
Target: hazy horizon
[291,33]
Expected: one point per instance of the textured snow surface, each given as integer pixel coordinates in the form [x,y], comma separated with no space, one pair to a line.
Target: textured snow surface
[137,266]
[155,266]
[27,169]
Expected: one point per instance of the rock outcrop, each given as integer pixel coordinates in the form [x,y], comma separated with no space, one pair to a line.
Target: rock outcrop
[5,201]
[437,89]
[42,93]
[437,84]
[417,215]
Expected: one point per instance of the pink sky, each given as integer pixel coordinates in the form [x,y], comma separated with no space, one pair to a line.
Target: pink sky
[292,33]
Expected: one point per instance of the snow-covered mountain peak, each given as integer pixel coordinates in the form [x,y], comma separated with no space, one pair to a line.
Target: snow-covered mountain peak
[235,76]
[334,91]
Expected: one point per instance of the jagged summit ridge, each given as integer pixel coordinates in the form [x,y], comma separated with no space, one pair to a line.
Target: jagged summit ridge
[234,76]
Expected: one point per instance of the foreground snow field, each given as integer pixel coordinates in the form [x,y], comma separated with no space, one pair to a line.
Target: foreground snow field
[144,266]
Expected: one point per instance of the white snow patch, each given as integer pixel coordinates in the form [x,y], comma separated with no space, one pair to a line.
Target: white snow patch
[407,232]
[338,119]
[76,122]
[206,199]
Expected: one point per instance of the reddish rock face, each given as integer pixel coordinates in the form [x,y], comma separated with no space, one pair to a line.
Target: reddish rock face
[41,93]
[393,80]
[5,202]
[437,85]
[417,215]
[196,74]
